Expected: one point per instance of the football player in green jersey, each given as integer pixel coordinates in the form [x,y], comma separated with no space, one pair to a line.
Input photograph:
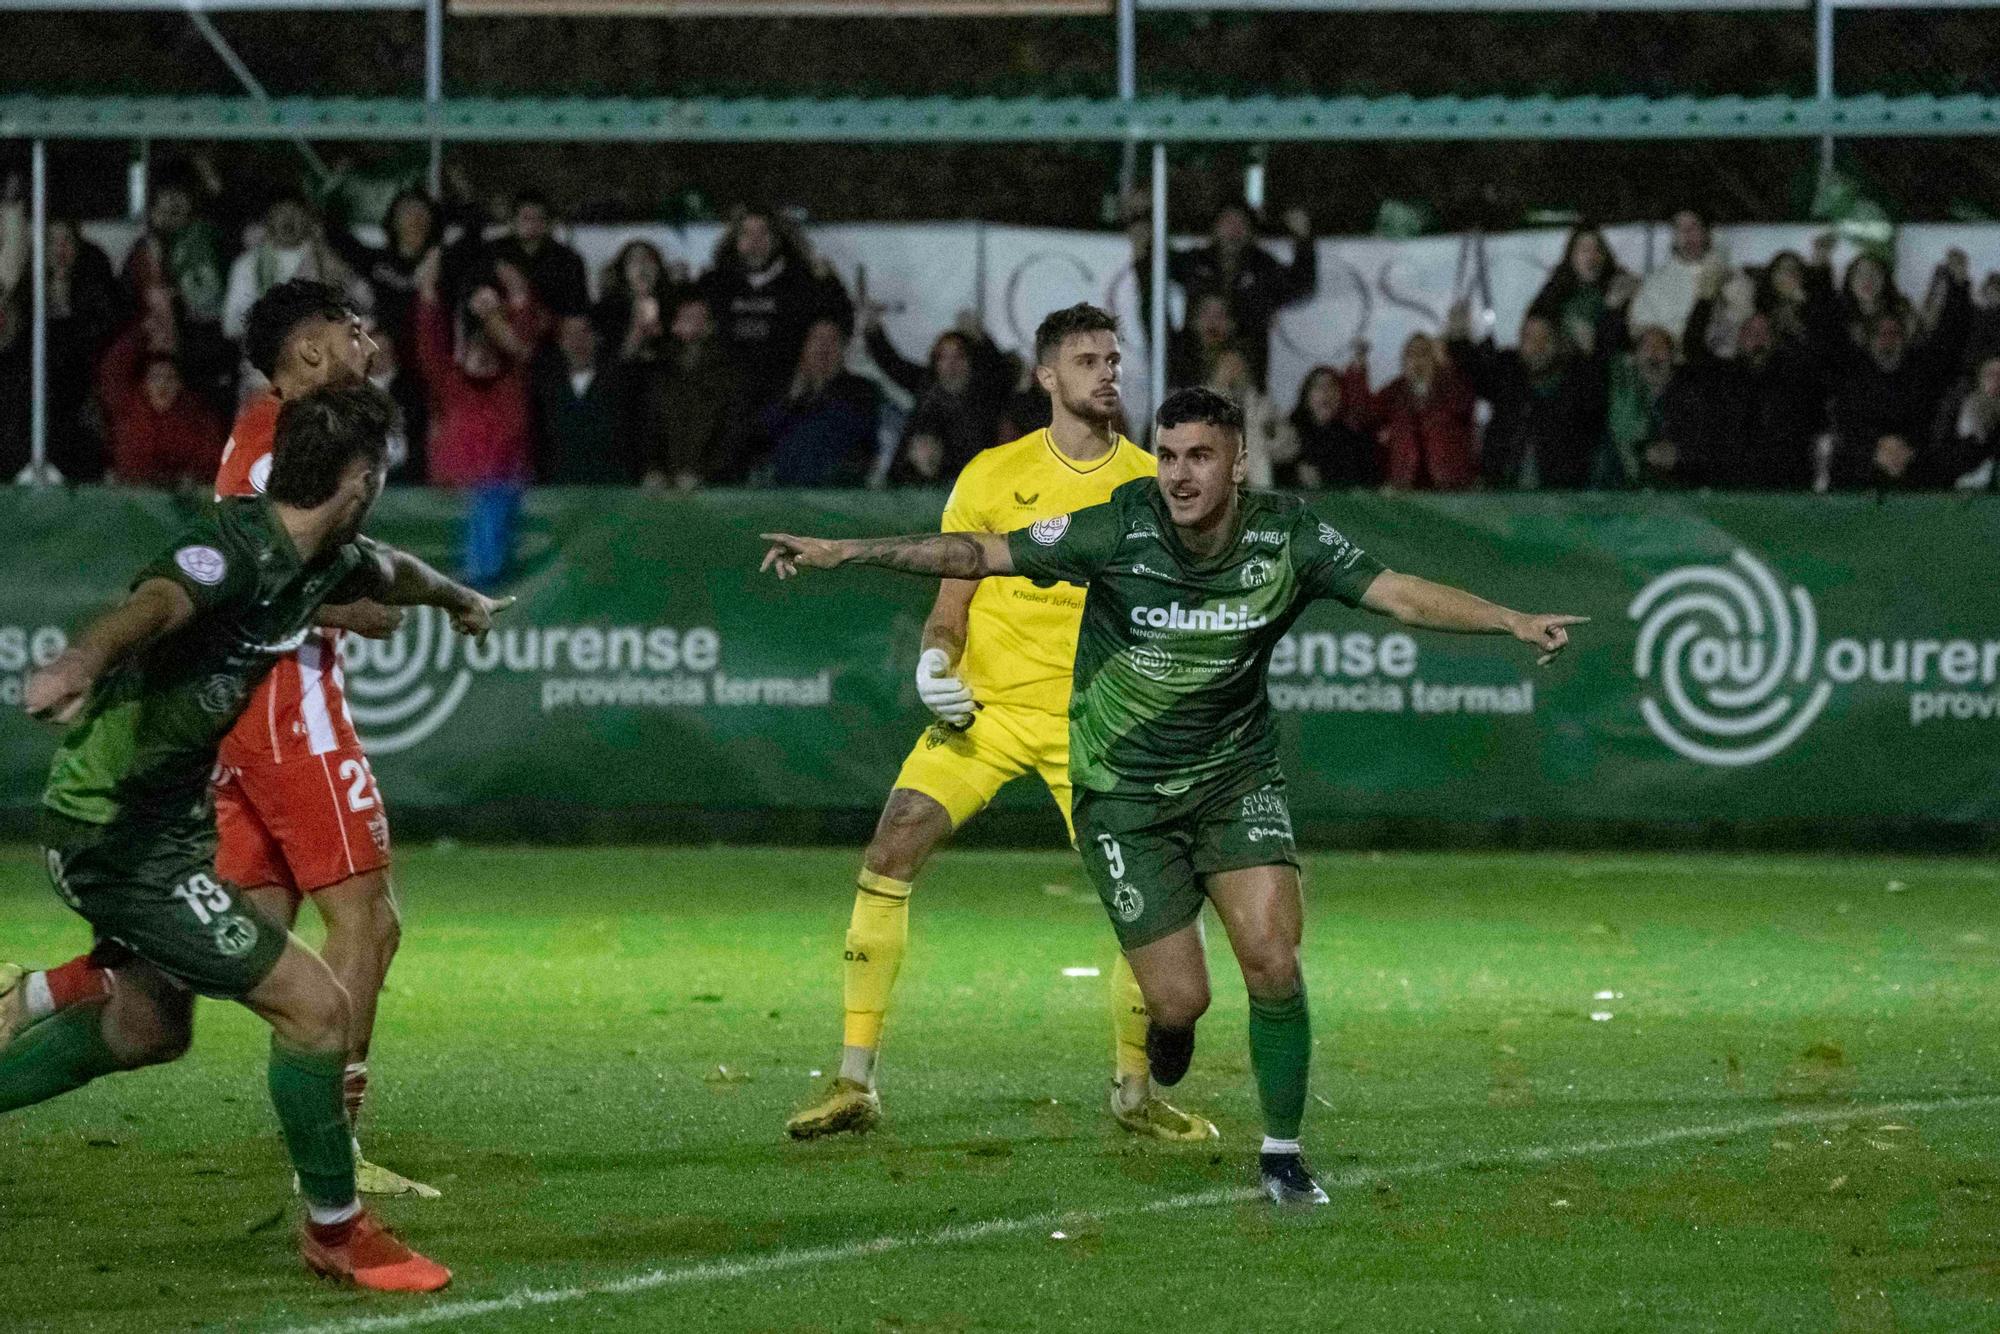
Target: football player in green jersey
[1178,798]
[149,690]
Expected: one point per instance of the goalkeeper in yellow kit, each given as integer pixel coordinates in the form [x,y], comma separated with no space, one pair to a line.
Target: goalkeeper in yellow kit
[996,666]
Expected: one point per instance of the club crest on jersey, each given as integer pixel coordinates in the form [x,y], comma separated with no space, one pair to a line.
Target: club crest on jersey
[1257,572]
[1048,532]
[260,474]
[205,565]
[1127,902]
[235,936]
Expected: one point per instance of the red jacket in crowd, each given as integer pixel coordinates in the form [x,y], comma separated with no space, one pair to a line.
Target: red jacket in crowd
[151,446]
[1429,443]
[481,426]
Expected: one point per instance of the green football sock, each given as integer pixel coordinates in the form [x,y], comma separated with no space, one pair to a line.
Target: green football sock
[1281,1054]
[306,1090]
[63,1052]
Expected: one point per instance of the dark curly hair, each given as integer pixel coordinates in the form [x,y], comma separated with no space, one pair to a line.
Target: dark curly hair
[280,312]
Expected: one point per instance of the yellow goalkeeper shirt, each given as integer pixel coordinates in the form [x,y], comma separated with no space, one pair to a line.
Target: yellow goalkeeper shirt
[1020,640]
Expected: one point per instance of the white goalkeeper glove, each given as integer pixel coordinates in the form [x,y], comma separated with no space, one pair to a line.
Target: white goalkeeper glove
[942,693]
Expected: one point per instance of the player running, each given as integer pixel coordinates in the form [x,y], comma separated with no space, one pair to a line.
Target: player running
[297,809]
[127,820]
[995,669]
[1192,580]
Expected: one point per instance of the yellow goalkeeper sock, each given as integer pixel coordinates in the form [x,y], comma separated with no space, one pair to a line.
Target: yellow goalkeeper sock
[877,935]
[1128,1029]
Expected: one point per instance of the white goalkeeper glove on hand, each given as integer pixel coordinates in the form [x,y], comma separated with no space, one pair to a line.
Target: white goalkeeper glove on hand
[942,693]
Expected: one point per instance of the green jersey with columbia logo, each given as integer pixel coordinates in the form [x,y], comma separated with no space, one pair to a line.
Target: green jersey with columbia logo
[1171,660]
[145,744]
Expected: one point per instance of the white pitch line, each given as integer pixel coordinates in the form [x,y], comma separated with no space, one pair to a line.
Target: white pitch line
[718,1271]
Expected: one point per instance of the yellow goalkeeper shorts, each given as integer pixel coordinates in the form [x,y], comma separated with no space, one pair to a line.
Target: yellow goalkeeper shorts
[961,771]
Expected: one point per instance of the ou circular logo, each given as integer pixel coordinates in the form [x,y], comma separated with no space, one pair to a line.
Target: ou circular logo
[1729,656]
[1152,662]
[402,689]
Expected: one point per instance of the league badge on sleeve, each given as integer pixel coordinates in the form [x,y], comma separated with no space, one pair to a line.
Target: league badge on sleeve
[204,565]
[1344,551]
[1048,532]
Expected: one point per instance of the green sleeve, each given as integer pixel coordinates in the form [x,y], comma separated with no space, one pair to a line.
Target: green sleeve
[367,573]
[1328,564]
[1068,548]
[211,569]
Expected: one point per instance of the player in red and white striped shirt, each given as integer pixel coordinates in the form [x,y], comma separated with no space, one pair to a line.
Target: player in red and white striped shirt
[297,811]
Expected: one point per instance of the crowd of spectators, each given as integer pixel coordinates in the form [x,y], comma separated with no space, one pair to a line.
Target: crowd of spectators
[507,371]
[510,372]
[1699,374]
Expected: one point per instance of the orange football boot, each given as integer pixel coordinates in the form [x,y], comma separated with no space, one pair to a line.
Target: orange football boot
[363,1252]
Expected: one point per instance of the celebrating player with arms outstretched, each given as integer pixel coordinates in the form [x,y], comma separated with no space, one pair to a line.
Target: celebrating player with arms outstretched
[1192,580]
[297,808]
[128,823]
[995,669]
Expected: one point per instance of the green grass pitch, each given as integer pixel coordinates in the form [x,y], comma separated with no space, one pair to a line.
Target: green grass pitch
[1785,1120]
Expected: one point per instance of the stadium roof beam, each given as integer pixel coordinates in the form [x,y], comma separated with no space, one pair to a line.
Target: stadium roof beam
[997,120]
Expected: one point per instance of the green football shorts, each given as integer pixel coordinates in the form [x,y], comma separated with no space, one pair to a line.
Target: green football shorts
[152,891]
[1147,854]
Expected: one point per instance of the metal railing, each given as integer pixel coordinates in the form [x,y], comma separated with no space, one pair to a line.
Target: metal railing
[1129,119]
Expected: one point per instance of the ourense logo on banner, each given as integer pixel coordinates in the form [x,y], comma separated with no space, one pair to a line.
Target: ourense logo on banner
[1735,672]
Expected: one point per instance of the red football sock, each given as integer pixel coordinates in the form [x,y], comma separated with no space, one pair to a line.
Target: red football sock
[77,982]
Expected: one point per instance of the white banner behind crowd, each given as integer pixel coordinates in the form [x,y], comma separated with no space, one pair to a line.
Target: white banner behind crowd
[927,275]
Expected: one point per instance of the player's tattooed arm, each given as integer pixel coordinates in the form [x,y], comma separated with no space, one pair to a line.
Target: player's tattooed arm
[939,555]
[938,682]
[944,628]
[157,607]
[1433,606]
[405,581]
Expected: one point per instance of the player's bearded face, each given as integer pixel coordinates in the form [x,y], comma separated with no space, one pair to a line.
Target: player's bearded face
[1087,371]
[346,350]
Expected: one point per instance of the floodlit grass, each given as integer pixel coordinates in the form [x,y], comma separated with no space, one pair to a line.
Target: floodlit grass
[1555,1093]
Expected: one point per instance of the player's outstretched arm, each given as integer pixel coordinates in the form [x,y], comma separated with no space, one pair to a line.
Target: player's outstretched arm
[1430,606]
[939,555]
[365,617]
[406,581]
[156,607]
